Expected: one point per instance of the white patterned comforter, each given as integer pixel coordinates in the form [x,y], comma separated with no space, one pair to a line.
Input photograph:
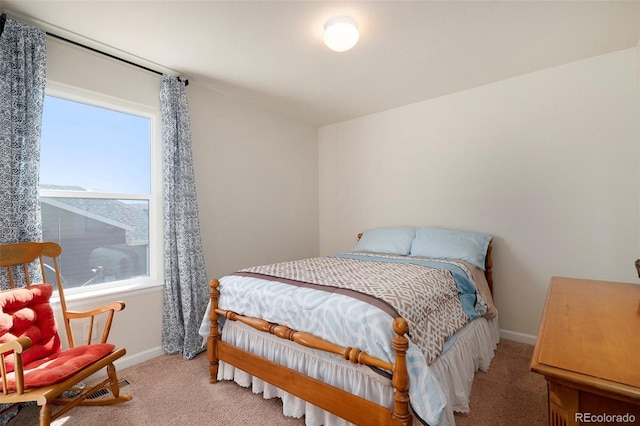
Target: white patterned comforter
[338,318]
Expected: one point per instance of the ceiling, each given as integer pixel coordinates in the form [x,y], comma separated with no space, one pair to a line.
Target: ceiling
[271,52]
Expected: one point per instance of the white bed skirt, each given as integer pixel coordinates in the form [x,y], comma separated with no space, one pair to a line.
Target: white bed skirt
[473,349]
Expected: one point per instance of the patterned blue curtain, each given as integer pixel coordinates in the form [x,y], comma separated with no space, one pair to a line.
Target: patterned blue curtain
[23,63]
[186,289]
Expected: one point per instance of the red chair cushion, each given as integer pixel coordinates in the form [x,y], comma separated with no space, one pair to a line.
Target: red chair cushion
[27,312]
[60,366]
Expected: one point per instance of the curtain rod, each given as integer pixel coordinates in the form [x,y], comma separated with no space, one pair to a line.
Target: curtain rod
[3,19]
[109,55]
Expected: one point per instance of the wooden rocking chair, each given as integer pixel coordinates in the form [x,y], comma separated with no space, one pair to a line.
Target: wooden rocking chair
[33,366]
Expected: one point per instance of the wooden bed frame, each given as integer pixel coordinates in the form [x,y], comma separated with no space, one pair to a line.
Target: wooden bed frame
[350,407]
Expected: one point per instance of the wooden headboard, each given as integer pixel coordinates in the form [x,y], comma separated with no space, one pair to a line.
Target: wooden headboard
[488,265]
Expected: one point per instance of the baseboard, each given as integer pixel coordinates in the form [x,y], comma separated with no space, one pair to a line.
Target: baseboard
[518,337]
[133,359]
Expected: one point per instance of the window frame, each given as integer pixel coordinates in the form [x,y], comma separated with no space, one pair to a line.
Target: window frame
[154,198]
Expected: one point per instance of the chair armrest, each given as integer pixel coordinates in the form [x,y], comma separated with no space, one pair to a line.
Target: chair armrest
[108,310]
[16,346]
[114,306]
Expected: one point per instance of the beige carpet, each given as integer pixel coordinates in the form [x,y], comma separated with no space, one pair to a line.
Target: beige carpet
[168,390]
[508,394]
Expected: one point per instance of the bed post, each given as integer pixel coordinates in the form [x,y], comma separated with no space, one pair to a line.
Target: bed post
[400,374]
[214,332]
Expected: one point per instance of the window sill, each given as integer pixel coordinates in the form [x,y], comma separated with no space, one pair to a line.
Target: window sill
[115,292]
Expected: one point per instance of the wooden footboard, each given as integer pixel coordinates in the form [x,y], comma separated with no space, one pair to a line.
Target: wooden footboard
[330,398]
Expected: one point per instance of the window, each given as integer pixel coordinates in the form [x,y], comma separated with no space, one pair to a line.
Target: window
[98,190]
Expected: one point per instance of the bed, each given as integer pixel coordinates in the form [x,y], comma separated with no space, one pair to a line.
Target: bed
[390,333]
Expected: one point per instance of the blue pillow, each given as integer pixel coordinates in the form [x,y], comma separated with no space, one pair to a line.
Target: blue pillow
[451,244]
[391,240]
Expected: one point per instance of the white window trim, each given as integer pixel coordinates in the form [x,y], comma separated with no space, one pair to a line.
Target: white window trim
[156,258]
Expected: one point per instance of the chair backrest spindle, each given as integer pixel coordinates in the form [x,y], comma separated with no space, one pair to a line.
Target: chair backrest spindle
[42,269]
[27,279]
[3,368]
[12,282]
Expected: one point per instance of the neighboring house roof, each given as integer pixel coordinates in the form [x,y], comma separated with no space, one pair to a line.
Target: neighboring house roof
[132,217]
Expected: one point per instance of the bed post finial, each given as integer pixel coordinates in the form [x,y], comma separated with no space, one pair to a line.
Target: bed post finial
[214,331]
[400,374]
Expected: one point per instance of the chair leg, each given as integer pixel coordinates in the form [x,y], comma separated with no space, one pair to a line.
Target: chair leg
[114,386]
[113,376]
[110,383]
[45,415]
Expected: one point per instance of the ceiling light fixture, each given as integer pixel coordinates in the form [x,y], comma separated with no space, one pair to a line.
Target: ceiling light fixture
[341,33]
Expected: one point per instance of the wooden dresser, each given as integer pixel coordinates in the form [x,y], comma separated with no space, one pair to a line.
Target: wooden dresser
[588,349]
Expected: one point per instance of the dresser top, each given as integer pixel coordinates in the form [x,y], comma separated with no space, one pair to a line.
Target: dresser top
[591,328]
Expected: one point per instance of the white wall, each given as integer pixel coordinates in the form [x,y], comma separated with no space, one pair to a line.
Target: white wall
[546,162]
[256,176]
[257,182]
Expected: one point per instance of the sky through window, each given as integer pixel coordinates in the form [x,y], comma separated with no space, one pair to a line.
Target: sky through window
[94,148]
